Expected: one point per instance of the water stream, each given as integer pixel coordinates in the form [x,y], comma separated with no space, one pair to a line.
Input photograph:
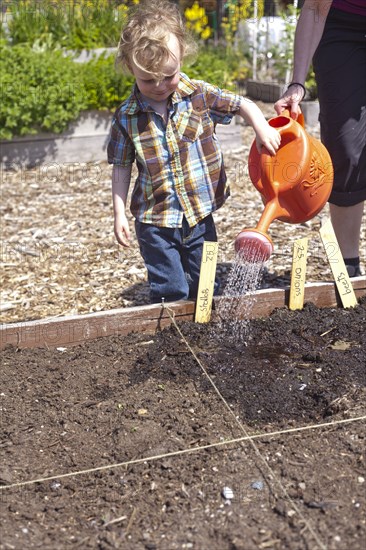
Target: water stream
[238,297]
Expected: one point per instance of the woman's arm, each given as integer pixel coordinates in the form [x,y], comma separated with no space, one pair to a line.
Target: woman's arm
[121,178]
[309,30]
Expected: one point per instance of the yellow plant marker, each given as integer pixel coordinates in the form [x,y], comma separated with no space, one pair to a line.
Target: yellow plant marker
[206,282]
[337,265]
[298,274]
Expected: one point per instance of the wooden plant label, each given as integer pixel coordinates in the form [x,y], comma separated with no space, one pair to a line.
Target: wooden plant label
[337,265]
[298,274]
[206,282]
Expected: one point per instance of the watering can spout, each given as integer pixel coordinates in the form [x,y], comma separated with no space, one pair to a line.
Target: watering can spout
[253,246]
[294,184]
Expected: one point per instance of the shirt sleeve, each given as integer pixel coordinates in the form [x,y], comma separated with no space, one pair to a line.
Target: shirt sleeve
[222,103]
[120,148]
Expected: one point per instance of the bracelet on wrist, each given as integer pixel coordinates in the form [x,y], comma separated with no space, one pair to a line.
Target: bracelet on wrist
[298,84]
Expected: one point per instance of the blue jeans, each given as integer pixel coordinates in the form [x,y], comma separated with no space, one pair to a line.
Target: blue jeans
[172,257]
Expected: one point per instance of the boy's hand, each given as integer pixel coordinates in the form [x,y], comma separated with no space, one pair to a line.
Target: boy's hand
[122,230]
[265,135]
[269,138]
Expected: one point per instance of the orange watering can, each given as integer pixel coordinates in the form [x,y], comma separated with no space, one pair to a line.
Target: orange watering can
[295,184]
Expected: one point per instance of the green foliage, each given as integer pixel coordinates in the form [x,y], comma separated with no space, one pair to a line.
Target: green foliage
[217,66]
[39,91]
[104,87]
[2,31]
[311,85]
[283,53]
[48,90]
[75,24]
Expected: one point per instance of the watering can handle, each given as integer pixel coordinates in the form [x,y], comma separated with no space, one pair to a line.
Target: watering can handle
[291,131]
[300,117]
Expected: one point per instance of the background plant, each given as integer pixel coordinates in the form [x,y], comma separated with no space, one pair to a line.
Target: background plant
[49,89]
[283,53]
[104,87]
[43,94]
[44,89]
[216,66]
[75,24]
[237,11]
[197,21]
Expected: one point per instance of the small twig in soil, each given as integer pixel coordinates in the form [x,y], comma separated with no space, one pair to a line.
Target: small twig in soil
[184,491]
[71,458]
[129,525]
[328,331]
[270,543]
[58,442]
[116,520]
[127,496]
[293,463]
[80,543]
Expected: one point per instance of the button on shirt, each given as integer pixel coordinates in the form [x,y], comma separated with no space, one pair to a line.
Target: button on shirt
[180,164]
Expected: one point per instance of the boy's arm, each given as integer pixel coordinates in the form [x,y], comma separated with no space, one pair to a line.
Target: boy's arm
[121,178]
[266,136]
[223,104]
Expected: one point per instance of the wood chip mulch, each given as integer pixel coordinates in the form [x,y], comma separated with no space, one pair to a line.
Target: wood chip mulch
[59,255]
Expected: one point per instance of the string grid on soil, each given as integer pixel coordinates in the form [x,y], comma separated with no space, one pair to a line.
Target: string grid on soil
[119,398]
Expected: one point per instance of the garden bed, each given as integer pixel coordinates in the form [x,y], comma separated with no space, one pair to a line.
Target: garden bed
[126,398]
[84,141]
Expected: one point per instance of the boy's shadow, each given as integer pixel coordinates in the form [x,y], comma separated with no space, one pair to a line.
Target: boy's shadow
[135,295]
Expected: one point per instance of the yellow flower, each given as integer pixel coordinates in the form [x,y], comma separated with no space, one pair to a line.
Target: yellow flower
[206,33]
[197,21]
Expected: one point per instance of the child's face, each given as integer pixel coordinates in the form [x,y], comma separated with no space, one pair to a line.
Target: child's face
[160,91]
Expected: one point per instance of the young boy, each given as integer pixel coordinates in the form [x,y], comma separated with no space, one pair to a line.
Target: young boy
[167,125]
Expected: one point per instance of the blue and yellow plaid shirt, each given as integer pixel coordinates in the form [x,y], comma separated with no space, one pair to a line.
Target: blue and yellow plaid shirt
[180,164]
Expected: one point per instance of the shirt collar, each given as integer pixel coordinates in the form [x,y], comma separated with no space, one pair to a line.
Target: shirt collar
[185,87]
[135,102]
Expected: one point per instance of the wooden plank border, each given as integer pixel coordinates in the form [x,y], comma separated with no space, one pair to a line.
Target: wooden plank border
[76,329]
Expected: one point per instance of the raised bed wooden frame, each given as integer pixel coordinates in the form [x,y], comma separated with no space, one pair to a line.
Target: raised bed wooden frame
[75,329]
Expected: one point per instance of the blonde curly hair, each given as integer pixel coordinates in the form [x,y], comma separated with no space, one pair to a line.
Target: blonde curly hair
[144,38]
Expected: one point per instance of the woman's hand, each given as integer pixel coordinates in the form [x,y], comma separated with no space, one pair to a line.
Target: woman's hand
[290,100]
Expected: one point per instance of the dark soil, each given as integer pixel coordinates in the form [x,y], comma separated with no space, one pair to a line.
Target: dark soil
[124,398]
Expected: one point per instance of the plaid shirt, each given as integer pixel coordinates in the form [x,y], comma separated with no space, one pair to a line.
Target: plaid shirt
[180,164]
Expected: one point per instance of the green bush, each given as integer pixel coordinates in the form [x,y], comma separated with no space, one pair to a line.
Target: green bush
[216,66]
[43,93]
[104,87]
[50,90]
